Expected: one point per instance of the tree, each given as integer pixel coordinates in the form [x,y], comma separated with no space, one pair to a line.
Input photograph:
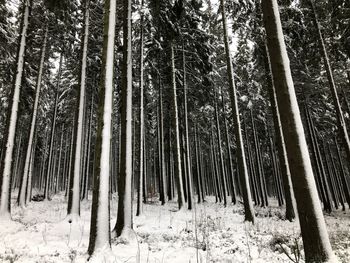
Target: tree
[100,215]
[24,189]
[242,166]
[141,120]
[315,238]
[10,129]
[73,209]
[123,225]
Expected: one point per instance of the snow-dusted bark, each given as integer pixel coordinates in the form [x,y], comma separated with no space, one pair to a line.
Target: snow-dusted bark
[339,113]
[10,129]
[87,166]
[281,148]
[23,189]
[242,166]
[59,174]
[100,215]
[73,209]
[141,124]
[53,129]
[123,225]
[30,177]
[177,150]
[187,143]
[230,175]
[221,164]
[313,228]
[161,147]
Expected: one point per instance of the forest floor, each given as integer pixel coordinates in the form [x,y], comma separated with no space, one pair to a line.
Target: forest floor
[208,233]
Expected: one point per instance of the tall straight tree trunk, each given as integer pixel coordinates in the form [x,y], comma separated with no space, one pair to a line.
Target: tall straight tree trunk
[242,166]
[59,174]
[70,159]
[255,153]
[336,178]
[23,189]
[53,128]
[141,122]
[229,156]
[215,167]
[30,176]
[281,148]
[187,143]
[313,228]
[100,236]
[17,157]
[73,209]
[177,148]
[339,113]
[200,190]
[221,157]
[87,167]
[319,166]
[11,122]
[123,225]
[344,181]
[161,145]
[332,187]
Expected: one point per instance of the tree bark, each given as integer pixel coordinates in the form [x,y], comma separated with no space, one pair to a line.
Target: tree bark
[141,122]
[100,213]
[123,225]
[313,228]
[243,172]
[339,113]
[177,149]
[10,128]
[53,129]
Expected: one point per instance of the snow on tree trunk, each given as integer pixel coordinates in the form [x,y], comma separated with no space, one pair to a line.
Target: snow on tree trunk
[141,124]
[10,130]
[53,128]
[177,150]
[187,143]
[281,148]
[73,209]
[30,178]
[339,113]
[100,214]
[162,165]
[23,189]
[123,225]
[221,164]
[242,166]
[87,171]
[313,228]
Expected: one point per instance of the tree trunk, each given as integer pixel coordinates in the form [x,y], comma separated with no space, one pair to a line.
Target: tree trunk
[313,228]
[141,121]
[23,189]
[243,172]
[10,128]
[177,149]
[53,128]
[281,148]
[186,141]
[344,181]
[73,209]
[123,225]
[100,236]
[339,113]
[221,161]
[229,156]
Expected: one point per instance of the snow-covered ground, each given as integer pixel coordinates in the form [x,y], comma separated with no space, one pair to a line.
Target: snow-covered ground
[209,233]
